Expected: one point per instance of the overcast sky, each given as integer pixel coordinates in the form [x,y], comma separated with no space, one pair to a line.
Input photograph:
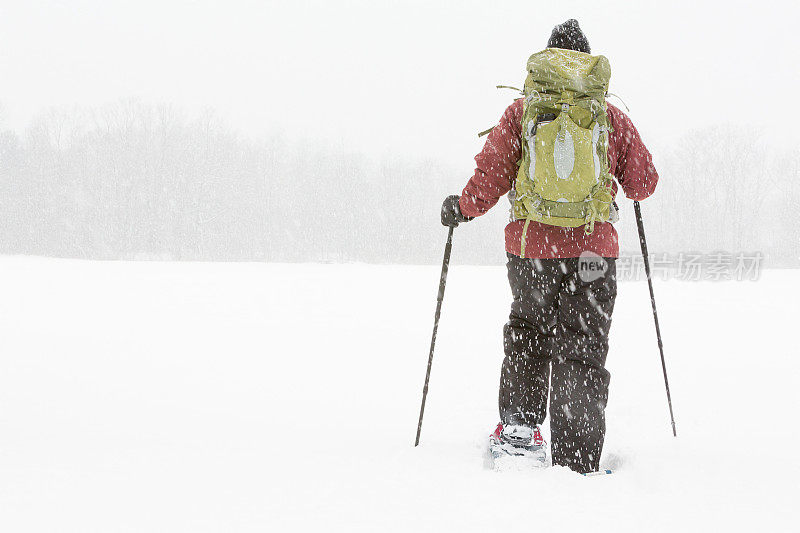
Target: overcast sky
[409,78]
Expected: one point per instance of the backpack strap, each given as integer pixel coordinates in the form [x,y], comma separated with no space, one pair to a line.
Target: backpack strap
[486,132]
[621,101]
[524,235]
[510,87]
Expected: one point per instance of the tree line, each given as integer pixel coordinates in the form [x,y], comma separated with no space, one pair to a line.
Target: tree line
[138,181]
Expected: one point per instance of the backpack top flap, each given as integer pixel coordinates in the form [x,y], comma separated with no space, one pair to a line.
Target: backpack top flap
[554,71]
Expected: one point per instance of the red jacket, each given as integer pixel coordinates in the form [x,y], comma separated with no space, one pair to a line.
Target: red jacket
[629,160]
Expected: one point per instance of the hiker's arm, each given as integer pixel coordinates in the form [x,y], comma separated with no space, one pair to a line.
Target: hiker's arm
[635,171]
[496,165]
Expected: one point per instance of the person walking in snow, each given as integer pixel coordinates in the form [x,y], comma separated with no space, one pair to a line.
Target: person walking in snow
[556,153]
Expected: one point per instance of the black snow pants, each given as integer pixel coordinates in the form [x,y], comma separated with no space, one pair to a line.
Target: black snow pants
[558,329]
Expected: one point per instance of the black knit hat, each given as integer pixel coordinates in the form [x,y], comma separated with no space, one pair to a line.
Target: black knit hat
[570,37]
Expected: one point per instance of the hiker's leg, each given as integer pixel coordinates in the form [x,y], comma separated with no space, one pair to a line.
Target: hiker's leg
[528,339]
[579,382]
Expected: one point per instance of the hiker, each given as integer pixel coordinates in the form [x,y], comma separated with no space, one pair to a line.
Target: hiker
[556,152]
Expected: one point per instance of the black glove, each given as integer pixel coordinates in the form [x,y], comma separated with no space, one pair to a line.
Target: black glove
[451,213]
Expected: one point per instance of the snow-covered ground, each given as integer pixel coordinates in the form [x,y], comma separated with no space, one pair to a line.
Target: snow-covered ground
[249,397]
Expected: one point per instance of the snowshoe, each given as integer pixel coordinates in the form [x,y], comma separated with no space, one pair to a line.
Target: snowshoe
[604,472]
[519,442]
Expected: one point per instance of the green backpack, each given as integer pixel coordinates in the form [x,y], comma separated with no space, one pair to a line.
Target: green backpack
[563,178]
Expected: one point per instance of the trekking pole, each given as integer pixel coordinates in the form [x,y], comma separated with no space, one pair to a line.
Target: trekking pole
[439,298]
[643,243]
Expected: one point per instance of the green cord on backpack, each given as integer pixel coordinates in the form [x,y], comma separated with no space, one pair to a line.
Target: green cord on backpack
[563,178]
